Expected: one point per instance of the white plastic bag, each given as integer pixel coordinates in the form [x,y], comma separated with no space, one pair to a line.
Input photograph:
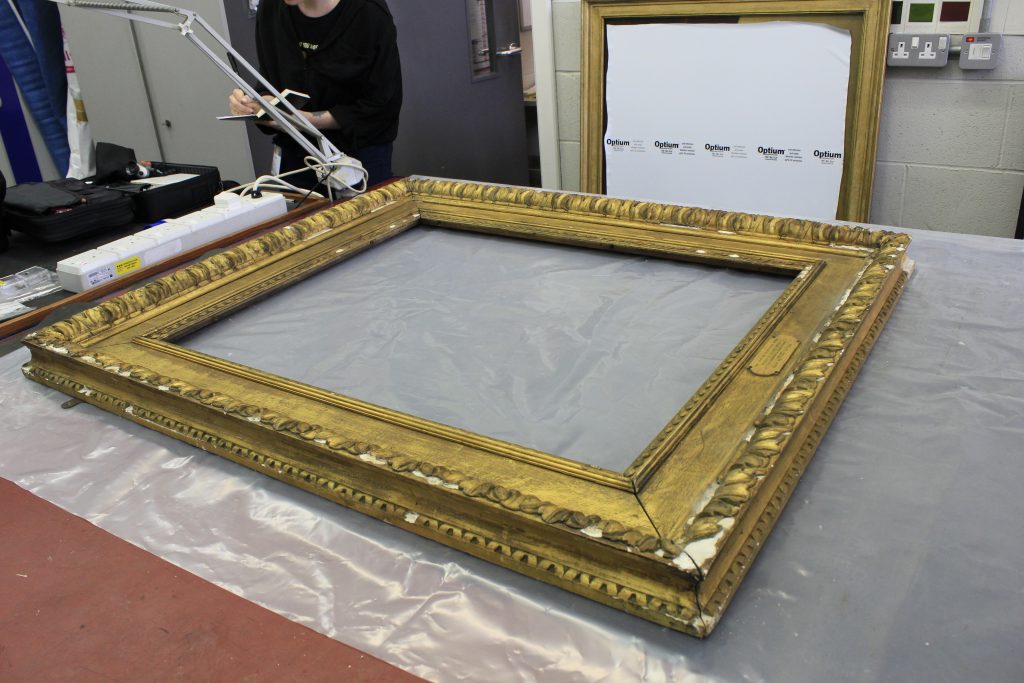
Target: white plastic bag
[82,162]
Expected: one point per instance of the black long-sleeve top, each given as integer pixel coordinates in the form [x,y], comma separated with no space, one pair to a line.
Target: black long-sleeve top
[354,74]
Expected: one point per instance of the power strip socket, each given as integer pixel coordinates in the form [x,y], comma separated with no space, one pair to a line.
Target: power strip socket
[159,242]
[918,49]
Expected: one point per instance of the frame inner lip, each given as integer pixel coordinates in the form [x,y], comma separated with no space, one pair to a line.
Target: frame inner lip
[632,478]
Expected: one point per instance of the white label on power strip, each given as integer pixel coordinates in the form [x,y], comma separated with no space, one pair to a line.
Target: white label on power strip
[101,275]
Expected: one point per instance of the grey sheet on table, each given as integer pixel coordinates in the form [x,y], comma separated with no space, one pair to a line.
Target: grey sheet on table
[898,558]
[576,352]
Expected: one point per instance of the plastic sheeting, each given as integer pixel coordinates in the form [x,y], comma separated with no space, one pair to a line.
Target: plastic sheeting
[898,558]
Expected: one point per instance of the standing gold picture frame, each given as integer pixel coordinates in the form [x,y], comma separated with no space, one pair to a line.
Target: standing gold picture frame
[866,20]
[667,539]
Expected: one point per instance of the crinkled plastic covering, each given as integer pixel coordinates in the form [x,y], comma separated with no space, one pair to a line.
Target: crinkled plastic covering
[898,557]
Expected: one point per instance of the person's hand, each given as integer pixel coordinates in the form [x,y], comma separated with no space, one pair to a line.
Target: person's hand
[240,104]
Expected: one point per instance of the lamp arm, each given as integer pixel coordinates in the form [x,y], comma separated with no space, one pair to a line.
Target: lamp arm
[290,120]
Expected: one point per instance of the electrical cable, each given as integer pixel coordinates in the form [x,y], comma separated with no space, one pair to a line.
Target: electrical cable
[306,196]
[323,171]
[314,163]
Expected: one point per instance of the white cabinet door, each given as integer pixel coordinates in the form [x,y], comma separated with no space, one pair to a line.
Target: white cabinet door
[187,92]
[113,87]
[150,89]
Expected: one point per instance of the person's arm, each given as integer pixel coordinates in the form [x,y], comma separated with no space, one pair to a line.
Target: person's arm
[241,104]
[380,99]
[321,120]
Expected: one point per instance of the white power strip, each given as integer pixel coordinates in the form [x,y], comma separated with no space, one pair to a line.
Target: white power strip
[229,214]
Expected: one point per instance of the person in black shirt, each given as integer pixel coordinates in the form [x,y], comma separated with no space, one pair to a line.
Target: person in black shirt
[344,55]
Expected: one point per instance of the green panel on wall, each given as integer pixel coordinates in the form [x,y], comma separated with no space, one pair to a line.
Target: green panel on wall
[922,11]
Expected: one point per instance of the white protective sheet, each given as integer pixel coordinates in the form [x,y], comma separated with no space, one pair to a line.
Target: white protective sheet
[745,117]
[898,558]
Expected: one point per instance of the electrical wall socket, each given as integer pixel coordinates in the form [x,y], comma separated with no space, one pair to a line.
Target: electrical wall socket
[979,50]
[918,49]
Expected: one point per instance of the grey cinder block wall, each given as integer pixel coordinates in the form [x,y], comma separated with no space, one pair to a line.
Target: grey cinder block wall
[951,144]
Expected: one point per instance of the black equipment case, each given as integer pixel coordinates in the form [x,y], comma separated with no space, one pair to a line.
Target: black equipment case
[63,209]
[175,199]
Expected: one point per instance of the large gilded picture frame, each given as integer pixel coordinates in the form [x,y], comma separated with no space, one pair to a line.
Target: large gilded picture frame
[668,539]
[866,20]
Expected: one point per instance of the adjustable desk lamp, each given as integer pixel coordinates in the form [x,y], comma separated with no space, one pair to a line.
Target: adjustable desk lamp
[340,178]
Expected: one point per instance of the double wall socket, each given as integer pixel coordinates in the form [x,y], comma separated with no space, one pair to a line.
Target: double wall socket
[918,49]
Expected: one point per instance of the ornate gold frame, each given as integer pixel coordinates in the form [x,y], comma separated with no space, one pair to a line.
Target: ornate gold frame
[867,21]
[668,539]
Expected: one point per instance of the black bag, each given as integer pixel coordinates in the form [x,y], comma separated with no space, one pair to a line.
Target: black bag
[168,201]
[62,209]
[117,167]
